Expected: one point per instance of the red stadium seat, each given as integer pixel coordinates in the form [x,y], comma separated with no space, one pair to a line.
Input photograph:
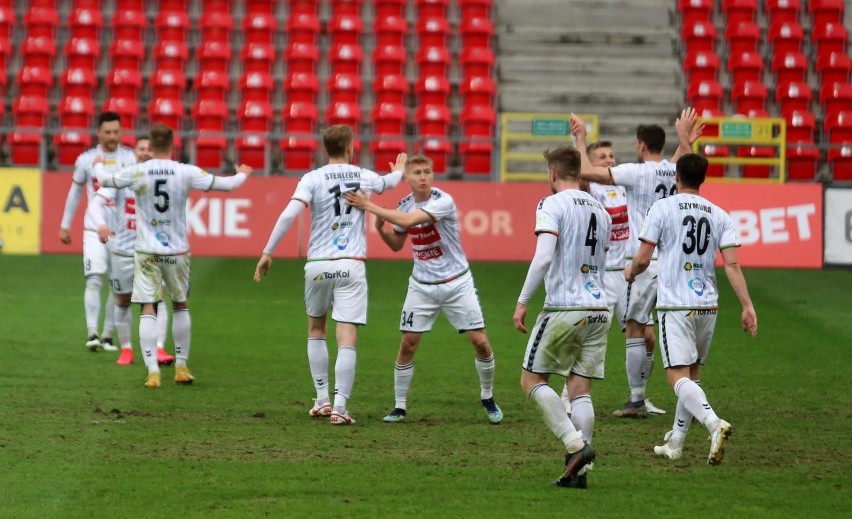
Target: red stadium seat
[303,6]
[166,111]
[478,121]
[478,91]
[392,88]
[5,52]
[801,126]
[695,10]
[475,8]
[838,127]
[127,109]
[129,25]
[76,112]
[347,59]
[389,119]
[747,66]
[792,66]
[216,26]
[124,83]
[128,5]
[780,11]
[254,117]
[385,151]
[210,115]
[432,90]
[82,53]
[433,61]
[701,66]
[342,87]
[742,37]
[211,119]
[298,151]
[833,67]
[390,30]
[431,8]
[476,157]
[346,7]
[802,160]
[433,120]
[476,32]
[7,22]
[836,98]
[41,21]
[829,37]
[705,95]
[212,85]
[345,30]
[737,11]
[477,61]
[302,28]
[710,150]
[785,37]
[30,113]
[260,28]
[300,118]
[344,113]
[78,82]
[172,26]
[38,51]
[70,144]
[127,54]
[795,96]
[168,84]
[389,60]
[699,36]
[35,82]
[761,152]
[826,11]
[301,57]
[174,5]
[85,22]
[216,56]
[171,55]
[439,150]
[434,32]
[260,6]
[260,57]
[385,8]
[256,86]
[218,6]
[749,95]
[840,162]
[302,87]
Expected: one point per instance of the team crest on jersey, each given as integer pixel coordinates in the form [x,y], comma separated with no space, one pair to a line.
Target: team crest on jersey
[163,238]
[340,241]
[593,288]
[697,286]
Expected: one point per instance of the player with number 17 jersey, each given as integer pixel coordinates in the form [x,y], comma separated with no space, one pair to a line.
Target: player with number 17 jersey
[574,279]
[337,231]
[686,264]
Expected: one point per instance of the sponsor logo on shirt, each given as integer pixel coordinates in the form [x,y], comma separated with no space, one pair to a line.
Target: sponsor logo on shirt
[697,286]
[618,214]
[340,225]
[586,268]
[474,318]
[424,235]
[692,266]
[155,222]
[593,319]
[171,260]
[337,274]
[163,238]
[593,288]
[429,254]
[340,241]
[697,313]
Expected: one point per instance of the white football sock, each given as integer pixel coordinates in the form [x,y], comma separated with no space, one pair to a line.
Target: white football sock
[92,302]
[566,399]
[682,421]
[318,361]
[148,340]
[583,416]
[553,412]
[181,327]
[162,324]
[402,376]
[344,377]
[109,316]
[485,368]
[122,325]
[695,401]
[635,360]
[647,367]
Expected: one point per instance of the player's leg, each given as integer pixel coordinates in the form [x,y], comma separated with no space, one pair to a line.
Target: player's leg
[403,373]
[94,268]
[648,365]
[121,274]
[176,272]
[639,301]
[146,280]
[350,311]
[344,372]
[109,323]
[162,329]
[317,303]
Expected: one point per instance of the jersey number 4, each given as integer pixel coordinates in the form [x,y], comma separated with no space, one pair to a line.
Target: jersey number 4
[592,233]
[161,196]
[350,186]
[697,235]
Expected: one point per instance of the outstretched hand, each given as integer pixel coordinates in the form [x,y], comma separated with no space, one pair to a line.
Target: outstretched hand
[687,125]
[399,165]
[357,199]
[262,268]
[578,127]
[245,169]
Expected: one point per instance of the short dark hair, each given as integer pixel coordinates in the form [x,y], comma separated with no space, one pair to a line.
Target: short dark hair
[597,145]
[565,161]
[692,170]
[162,138]
[336,139]
[108,117]
[142,138]
[653,136]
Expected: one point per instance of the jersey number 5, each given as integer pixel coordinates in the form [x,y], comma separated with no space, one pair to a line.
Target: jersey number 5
[336,192]
[697,235]
[161,202]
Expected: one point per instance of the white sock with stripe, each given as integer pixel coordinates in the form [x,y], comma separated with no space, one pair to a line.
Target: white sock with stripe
[485,368]
[148,340]
[344,377]
[553,412]
[695,401]
[162,323]
[402,375]
[181,328]
[583,416]
[122,325]
[318,361]
[634,362]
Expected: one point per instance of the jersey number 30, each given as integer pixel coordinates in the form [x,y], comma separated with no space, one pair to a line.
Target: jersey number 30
[697,235]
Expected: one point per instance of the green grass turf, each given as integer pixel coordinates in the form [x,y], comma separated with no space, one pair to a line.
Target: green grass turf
[81,437]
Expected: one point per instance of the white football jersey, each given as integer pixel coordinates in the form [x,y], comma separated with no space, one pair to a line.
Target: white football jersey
[436,245]
[688,230]
[582,226]
[123,224]
[614,200]
[162,188]
[84,173]
[337,229]
[645,183]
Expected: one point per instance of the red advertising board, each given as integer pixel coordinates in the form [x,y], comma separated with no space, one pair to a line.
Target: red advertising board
[780,225]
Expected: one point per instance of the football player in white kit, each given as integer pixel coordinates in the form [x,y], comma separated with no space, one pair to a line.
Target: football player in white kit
[95,253]
[687,231]
[645,181]
[441,280]
[120,235]
[569,335]
[162,187]
[335,275]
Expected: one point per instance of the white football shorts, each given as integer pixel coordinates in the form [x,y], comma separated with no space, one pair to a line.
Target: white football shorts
[457,299]
[616,286]
[568,342]
[640,298]
[685,336]
[340,285]
[121,273]
[95,254]
[152,271]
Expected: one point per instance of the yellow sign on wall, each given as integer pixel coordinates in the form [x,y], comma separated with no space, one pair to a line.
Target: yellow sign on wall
[20,211]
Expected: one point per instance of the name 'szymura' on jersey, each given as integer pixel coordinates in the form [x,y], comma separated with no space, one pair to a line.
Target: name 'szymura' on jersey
[84,173]
[436,245]
[645,183]
[688,230]
[337,229]
[582,225]
[614,200]
[123,224]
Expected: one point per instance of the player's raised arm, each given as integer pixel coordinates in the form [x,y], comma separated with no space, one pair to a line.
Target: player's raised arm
[588,171]
[227,183]
[285,221]
[395,176]
[394,240]
[738,283]
[688,131]
[360,201]
[545,249]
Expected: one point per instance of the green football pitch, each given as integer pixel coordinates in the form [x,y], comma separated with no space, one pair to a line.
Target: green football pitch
[81,436]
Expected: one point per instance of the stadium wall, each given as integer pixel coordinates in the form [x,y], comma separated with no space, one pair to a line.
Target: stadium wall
[781,225]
